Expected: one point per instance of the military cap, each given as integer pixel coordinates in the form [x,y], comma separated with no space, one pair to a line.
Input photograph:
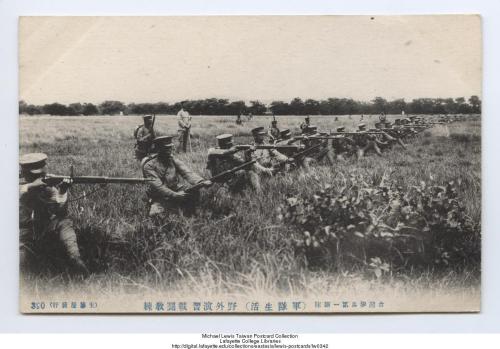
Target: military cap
[341,129]
[33,162]
[362,126]
[308,117]
[286,133]
[274,122]
[412,117]
[312,129]
[378,124]
[224,139]
[148,117]
[163,141]
[258,131]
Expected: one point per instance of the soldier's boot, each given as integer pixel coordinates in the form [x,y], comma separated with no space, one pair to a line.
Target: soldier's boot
[68,238]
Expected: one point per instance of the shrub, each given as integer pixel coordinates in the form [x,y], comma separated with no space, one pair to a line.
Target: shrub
[382,228]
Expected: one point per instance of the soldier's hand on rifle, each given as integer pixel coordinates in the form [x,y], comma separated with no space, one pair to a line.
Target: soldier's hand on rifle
[181,195]
[37,183]
[65,184]
[207,183]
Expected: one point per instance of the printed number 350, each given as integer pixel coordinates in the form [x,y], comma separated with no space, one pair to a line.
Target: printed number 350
[37,305]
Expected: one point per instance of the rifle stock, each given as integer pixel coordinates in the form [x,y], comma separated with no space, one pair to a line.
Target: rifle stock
[221,175]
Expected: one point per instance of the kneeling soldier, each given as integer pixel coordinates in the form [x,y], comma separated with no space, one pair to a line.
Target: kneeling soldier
[341,145]
[43,214]
[365,142]
[165,193]
[225,157]
[269,158]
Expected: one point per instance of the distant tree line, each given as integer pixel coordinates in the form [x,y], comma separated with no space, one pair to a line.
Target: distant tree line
[214,106]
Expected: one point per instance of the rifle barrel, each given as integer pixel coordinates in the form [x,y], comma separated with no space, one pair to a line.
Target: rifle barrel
[99,179]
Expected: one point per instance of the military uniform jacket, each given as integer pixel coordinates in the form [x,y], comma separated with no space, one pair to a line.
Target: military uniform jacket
[287,152]
[144,138]
[40,205]
[166,175]
[274,133]
[268,157]
[220,160]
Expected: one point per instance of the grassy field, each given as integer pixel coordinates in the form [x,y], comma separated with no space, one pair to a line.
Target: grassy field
[236,245]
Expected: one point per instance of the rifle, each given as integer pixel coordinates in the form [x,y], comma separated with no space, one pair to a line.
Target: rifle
[221,175]
[266,146]
[304,152]
[357,133]
[52,179]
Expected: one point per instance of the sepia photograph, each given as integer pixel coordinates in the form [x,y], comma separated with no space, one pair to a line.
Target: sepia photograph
[250,164]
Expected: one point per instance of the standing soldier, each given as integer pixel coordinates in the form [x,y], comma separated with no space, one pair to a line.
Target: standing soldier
[165,193]
[269,158]
[305,124]
[184,121]
[238,119]
[144,135]
[274,131]
[225,157]
[43,215]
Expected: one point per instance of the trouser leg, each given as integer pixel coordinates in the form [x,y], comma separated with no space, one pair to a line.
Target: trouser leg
[360,152]
[25,249]
[254,180]
[376,148]
[67,236]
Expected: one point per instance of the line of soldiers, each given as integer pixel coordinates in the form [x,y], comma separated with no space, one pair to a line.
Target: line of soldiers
[43,205]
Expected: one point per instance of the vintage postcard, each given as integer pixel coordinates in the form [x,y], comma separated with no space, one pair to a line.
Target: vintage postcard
[250,164]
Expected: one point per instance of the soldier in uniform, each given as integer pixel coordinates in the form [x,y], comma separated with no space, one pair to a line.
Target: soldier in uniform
[225,157]
[274,131]
[165,193]
[269,158]
[286,139]
[43,215]
[341,145]
[305,124]
[144,135]
[323,153]
[365,142]
[184,122]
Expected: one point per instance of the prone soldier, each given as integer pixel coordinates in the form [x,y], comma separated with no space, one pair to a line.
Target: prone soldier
[225,157]
[144,135]
[43,215]
[165,193]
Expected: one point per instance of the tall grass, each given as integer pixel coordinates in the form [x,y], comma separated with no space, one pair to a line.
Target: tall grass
[234,244]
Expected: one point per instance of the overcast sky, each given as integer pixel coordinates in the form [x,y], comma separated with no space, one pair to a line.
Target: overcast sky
[151,59]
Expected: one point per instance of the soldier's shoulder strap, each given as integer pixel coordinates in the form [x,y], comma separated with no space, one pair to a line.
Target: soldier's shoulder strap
[136,130]
[147,159]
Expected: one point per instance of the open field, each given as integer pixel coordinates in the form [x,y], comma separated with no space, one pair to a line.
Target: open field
[236,246]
